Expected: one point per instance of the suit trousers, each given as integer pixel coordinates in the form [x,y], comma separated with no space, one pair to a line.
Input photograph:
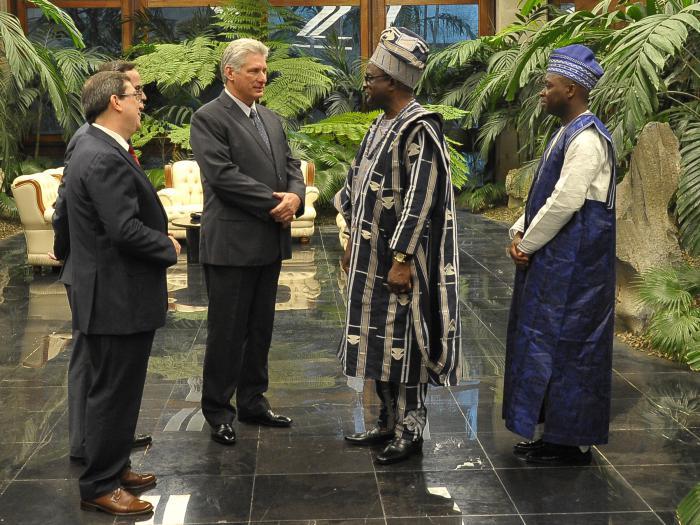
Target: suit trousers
[241,317]
[78,385]
[118,366]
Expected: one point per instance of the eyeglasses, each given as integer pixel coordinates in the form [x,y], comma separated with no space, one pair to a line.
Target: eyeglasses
[138,94]
[369,79]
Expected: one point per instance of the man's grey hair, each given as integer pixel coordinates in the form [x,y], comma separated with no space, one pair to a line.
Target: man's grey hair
[98,91]
[237,51]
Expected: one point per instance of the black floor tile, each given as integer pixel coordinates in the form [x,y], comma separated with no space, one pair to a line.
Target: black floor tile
[443,453]
[199,500]
[422,494]
[570,490]
[290,454]
[46,503]
[652,447]
[314,497]
[457,520]
[662,486]
[194,453]
[619,518]
[308,475]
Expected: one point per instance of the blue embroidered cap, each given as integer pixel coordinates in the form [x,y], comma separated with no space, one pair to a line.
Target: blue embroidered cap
[577,63]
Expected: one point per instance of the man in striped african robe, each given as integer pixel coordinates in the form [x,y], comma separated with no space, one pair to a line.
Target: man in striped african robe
[402,326]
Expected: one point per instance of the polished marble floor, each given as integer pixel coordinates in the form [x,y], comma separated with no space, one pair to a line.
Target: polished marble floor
[307,475]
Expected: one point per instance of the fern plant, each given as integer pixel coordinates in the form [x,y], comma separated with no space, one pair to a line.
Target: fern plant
[673,294]
[479,199]
[185,69]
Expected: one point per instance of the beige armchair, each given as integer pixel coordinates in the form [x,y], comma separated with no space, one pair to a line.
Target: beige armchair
[303,226]
[35,196]
[182,195]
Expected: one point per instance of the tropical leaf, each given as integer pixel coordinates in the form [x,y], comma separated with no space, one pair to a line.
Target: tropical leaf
[61,19]
[192,65]
[482,198]
[664,288]
[688,512]
[634,64]
[688,201]
[672,331]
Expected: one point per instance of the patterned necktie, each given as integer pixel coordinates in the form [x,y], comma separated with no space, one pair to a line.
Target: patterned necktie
[133,155]
[259,126]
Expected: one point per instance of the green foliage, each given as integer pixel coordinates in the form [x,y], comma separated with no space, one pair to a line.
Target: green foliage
[8,207]
[687,206]
[189,65]
[688,512]
[31,73]
[157,177]
[331,159]
[674,296]
[650,52]
[488,196]
[346,128]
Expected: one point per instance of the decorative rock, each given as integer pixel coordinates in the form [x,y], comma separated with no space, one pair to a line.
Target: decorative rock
[518,182]
[646,234]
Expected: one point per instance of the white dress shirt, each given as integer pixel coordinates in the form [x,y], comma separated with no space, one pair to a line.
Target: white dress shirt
[585,174]
[116,136]
[244,107]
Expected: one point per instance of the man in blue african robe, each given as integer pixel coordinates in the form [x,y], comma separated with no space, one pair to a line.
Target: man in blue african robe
[402,327]
[560,332]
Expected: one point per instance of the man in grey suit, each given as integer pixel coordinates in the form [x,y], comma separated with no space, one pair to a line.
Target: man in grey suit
[79,365]
[118,235]
[252,190]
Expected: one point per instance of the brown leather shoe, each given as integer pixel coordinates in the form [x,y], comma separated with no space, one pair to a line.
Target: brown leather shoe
[119,502]
[132,480]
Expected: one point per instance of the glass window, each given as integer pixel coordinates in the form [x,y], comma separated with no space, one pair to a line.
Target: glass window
[322,25]
[439,25]
[172,24]
[101,28]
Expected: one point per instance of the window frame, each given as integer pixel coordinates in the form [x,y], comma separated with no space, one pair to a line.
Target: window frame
[372,13]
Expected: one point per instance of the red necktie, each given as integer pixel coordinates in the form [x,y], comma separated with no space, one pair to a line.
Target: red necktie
[133,155]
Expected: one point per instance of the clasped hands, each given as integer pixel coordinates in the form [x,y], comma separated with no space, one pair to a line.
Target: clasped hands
[287,207]
[520,259]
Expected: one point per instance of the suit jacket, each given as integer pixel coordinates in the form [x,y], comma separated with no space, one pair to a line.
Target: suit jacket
[238,177]
[118,240]
[61,244]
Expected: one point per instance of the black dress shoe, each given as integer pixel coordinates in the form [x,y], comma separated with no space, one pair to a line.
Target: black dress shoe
[559,455]
[142,440]
[522,448]
[223,434]
[398,450]
[371,437]
[267,418]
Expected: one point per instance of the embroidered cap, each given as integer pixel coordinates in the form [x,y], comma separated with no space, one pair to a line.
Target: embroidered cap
[401,54]
[576,62]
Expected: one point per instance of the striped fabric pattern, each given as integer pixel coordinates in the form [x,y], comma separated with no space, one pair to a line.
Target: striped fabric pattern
[403,201]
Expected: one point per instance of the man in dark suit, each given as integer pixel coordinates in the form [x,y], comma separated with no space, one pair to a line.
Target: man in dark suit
[117,231]
[79,365]
[252,190]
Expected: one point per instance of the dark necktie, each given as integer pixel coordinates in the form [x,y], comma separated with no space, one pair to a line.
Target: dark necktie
[133,155]
[259,126]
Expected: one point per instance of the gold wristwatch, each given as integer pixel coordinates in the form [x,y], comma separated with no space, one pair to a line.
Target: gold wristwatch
[400,257]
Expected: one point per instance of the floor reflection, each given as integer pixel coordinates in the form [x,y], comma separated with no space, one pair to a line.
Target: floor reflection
[307,474]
